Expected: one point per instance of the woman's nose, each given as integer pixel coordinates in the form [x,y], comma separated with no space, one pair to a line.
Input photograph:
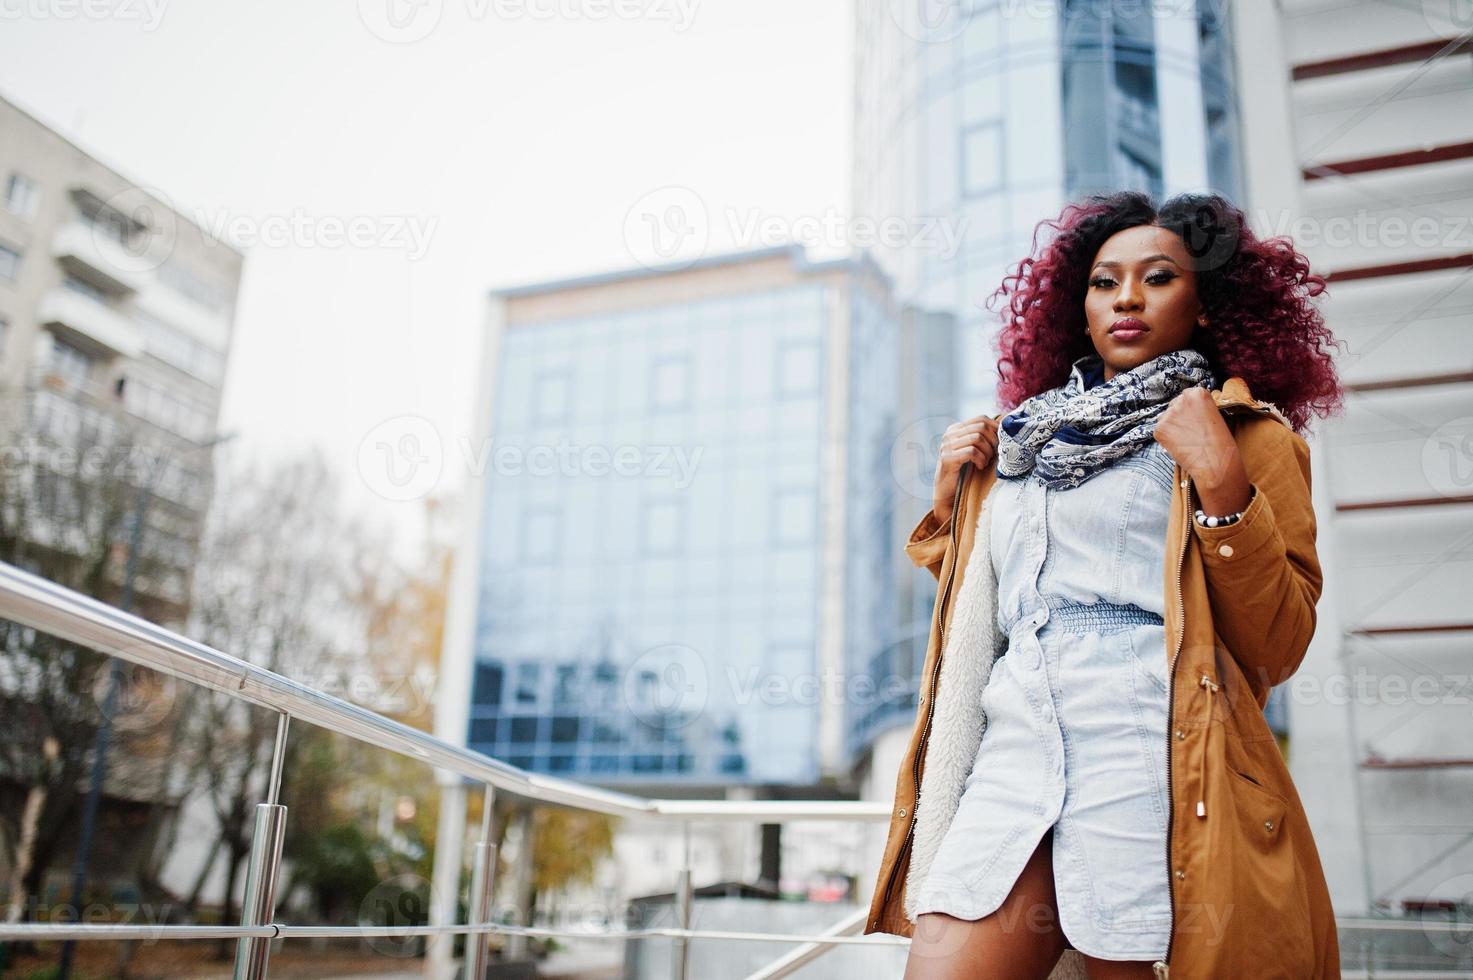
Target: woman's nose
[1127,298]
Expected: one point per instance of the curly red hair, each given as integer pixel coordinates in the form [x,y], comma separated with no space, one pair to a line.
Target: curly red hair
[1257,294]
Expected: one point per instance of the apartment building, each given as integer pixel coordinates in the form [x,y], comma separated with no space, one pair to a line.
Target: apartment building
[116,312]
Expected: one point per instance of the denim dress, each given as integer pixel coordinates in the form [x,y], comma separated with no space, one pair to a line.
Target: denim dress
[1076,713]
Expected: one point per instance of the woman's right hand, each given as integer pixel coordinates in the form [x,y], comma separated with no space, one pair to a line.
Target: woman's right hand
[970,441]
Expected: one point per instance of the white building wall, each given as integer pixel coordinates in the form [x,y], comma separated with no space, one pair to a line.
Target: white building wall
[1386,836]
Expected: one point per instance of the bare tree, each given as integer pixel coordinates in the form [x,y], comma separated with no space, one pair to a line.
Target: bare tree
[268,589]
[70,478]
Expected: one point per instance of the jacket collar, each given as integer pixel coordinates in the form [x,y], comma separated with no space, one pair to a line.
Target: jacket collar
[1235,395]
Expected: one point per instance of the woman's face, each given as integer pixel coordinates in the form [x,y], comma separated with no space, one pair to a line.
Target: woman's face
[1141,301]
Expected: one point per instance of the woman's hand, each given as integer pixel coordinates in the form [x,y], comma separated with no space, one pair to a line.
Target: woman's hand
[1193,431]
[973,440]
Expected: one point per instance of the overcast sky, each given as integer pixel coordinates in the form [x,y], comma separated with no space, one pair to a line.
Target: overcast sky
[471,143]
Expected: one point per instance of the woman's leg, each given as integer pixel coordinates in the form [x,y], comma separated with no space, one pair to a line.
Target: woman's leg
[1117,969]
[1021,940]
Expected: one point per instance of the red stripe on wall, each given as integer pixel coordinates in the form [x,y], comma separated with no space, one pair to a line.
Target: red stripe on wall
[1402,268]
[1380,59]
[1391,161]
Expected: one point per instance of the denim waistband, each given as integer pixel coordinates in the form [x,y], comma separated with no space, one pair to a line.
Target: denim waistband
[1098,617]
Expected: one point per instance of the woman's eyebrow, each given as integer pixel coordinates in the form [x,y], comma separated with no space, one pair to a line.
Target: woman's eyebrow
[1148,258]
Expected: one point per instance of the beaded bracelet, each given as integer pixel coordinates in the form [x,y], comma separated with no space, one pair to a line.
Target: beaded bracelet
[1205,521]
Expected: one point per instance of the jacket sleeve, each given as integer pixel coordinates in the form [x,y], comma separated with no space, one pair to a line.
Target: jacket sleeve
[1263,573]
[927,543]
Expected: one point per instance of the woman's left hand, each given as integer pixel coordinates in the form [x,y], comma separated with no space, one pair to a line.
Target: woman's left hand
[1193,431]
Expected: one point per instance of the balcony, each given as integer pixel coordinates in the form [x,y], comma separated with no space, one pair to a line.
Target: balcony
[95,258]
[70,312]
[165,304]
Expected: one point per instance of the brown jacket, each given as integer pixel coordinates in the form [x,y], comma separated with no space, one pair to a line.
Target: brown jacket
[1249,898]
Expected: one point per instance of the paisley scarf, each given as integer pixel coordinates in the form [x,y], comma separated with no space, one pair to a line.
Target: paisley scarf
[1067,434]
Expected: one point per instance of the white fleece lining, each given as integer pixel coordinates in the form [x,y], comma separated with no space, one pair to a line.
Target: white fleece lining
[973,644]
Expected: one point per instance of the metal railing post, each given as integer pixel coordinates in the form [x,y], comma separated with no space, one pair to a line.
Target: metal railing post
[483,882]
[259,906]
[683,894]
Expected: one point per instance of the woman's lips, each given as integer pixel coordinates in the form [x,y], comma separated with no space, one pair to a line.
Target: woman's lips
[1127,328]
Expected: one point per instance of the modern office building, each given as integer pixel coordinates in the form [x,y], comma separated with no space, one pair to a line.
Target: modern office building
[1358,138]
[684,514]
[662,553]
[116,313]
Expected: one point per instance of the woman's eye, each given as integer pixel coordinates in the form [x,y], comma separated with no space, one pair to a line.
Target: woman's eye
[1102,281]
[1160,277]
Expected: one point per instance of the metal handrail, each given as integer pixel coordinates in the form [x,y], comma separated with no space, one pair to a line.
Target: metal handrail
[40,932]
[33,601]
[37,602]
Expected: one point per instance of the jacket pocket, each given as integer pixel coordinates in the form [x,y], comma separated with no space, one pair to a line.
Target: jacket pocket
[1261,811]
[1270,899]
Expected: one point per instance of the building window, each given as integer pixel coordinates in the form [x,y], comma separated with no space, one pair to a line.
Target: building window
[166,409]
[529,674]
[540,536]
[186,283]
[84,288]
[180,350]
[22,196]
[981,164]
[110,224]
[566,690]
[660,528]
[9,263]
[797,369]
[669,383]
[793,516]
[550,397]
[487,689]
[72,364]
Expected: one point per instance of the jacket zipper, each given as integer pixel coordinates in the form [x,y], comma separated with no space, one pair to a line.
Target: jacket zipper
[1160,966]
[935,675]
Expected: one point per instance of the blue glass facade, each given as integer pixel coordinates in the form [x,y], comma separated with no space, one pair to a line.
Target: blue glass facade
[655,620]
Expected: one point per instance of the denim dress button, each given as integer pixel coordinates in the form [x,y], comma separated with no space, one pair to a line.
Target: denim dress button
[1077,734]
